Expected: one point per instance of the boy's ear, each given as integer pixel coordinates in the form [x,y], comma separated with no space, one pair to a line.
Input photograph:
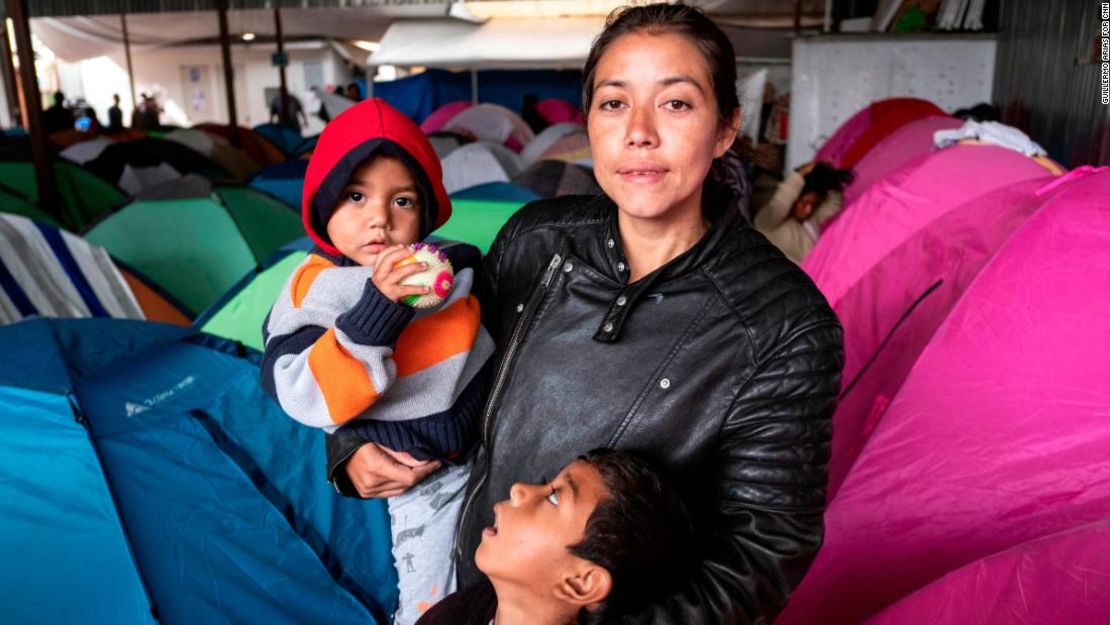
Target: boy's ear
[585,585]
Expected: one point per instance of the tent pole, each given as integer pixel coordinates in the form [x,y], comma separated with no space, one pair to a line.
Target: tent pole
[44,173]
[229,80]
[127,52]
[828,15]
[474,86]
[797,17]
[284,91]
[11,82]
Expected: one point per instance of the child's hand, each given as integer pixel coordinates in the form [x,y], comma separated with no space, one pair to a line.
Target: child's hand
[377,471]
[388,276]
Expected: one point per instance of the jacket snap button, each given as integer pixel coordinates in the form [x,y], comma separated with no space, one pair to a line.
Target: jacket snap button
[608,327]
[568,267]
[622,300]
[664,383]
[611,243]
[520,307]
[620,266]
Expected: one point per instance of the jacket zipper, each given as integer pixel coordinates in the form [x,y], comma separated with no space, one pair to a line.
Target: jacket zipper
[499,381]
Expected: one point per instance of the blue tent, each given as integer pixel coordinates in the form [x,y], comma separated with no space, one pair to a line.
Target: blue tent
[148,479]
[284,181]
[284,138]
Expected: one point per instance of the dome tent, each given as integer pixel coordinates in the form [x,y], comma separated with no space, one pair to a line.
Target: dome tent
[976,452]
[169,472]
[215,238]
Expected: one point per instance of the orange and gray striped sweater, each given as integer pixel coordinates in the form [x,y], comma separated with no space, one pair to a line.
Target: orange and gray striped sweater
[339,353]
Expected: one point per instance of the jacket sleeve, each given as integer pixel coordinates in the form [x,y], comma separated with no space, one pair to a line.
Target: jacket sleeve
[325,376]
[771,472]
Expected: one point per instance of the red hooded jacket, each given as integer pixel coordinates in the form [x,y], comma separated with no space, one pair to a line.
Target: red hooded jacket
[370,128]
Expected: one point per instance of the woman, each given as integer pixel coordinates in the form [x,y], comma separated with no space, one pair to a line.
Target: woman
[651,318]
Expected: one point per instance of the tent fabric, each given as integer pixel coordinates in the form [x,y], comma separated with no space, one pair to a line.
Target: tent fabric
[999,434]
[573,147]
[420,95]
[254,145]
[284,181]
[283,138]
[1068,571]
[492,123]
[557,111]
[445,142]
[440,117]
[909,142]
[231,159]
[477,221]
[14,203]
[213,242]
[157,305]
[863,130]
[86,151]
[197,499]
[479,163]
[925,274]
[498,42]
[545,139]
[904,202]
[85,197]
[166,156]
[497,191]
[550,178]
[241,312]
[51,273]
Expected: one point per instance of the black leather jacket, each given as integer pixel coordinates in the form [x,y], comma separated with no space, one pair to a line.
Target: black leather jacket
[722,366]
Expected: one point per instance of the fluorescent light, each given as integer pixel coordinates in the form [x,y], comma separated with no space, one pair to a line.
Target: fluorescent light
[248,36]
[369,46]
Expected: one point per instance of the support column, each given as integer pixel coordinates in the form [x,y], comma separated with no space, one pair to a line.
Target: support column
[11,81]
[49,199]
[284,91]
[229,80]
[130,68]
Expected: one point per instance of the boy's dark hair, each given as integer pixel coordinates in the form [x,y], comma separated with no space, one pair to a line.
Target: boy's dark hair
[824,178]
[641,534]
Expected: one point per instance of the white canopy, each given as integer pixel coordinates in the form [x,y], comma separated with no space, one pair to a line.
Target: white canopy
[499,42]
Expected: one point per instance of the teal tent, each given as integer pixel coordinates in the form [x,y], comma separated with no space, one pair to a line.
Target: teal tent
[148,479]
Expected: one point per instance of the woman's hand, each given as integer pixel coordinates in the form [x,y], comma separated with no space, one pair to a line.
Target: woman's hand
[377,471]
[388,275]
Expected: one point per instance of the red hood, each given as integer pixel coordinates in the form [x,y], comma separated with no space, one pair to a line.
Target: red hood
[368,128]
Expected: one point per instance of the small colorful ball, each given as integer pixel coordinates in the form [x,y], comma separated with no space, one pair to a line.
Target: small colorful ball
[439,276]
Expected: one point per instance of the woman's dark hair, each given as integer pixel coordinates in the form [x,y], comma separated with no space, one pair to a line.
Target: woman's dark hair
[641,534]
[678,19]
[824,178]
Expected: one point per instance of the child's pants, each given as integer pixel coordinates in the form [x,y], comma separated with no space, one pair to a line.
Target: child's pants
[423,522]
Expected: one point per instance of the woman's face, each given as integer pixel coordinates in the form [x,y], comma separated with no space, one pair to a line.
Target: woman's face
[653,126]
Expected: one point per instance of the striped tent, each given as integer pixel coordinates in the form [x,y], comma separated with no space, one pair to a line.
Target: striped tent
[47,272]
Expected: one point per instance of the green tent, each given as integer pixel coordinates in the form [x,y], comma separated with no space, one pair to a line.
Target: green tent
[477,221]
[240,313]
[197,247]
[14,203]
[85,197]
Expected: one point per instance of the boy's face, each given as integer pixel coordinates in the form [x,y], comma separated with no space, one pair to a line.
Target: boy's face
[533,528]
[379,207]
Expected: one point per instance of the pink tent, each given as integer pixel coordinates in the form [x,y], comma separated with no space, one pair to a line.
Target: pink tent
[866,128]
[902,203]
[439,117]
[900,147]
[999,436]
[493,123]
[1069,574]
[557,111]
